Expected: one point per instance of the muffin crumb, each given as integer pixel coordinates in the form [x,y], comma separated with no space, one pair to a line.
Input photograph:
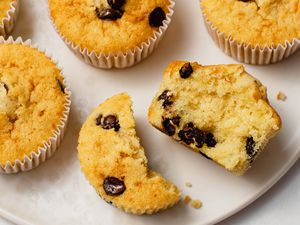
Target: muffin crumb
[187,199]
[188,184]
[196,204]
[281,96]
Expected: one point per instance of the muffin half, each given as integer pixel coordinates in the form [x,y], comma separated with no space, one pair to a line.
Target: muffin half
[115,164]
[219,111]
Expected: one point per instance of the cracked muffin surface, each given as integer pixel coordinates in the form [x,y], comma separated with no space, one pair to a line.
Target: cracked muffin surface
[32,101]
[255,22]
[108,26]
[114,162]
[219,111]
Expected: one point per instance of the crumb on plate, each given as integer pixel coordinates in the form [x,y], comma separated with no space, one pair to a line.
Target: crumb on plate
[281,96]
[188,184]
[196,204]
[187,199]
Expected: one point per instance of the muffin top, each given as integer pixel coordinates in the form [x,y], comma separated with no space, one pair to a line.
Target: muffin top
[32,101]
[4,7]
[259,22]
[106,26]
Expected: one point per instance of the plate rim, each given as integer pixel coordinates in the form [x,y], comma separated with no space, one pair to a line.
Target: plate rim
[266,187]
[287,166]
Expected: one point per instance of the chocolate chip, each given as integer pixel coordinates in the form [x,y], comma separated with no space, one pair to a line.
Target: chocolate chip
[99,120]
[110,122]
[168,127]
[250,145]
[183,135]
[210,140]
[166,96]
[156,17]
[200,137]
[187,134]
[61,86]
[5,87]
[205,155]
[176,120]
[116,4]
[113,186]
[186,71]
[108,14]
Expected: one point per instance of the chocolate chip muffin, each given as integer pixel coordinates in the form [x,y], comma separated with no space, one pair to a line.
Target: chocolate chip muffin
[270,24]
[33,107]
[111,27]
[259,22]
[8,15]
[219,111]
[114,162]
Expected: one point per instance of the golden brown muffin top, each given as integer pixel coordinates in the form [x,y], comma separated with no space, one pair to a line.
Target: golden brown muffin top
[77,20]
[31,101]
[259,22]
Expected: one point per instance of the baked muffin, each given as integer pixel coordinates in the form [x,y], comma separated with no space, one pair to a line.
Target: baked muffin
[115,164]
[112,28]
[8,14]
[254,24]
[34,106]
[219,111]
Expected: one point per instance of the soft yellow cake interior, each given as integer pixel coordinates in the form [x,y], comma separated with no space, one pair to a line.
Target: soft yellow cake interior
[223,100]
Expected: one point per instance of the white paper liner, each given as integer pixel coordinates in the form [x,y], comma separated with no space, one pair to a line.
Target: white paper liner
[48,149]
[121,60]
[245,52]
[7,24]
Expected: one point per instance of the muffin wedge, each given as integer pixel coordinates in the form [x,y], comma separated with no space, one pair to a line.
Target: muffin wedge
[115,164]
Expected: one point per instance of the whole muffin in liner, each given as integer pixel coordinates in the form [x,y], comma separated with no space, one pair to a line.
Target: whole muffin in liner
[121,58]
[7,23]
[49,146]
[247,52]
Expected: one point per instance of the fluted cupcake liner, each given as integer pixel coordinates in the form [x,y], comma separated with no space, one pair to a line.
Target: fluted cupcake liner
[121,59]
[7,24]
[246,53]
[49,148]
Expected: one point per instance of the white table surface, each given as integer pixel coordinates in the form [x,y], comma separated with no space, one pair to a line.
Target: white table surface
[279,206]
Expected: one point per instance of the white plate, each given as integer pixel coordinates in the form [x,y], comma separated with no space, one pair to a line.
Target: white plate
[57,192]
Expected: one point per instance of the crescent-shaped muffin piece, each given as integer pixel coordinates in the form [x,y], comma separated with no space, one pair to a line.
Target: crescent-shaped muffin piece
[115,164]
